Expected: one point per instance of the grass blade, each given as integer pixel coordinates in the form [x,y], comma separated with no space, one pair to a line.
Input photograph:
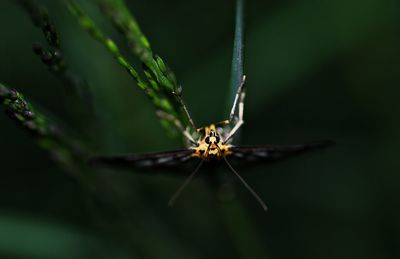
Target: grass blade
[237,55]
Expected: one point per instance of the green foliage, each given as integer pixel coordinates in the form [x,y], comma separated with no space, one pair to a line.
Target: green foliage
[124,21]
[50,137]
[315,68]
[52,55]
[160,85]
[237,55]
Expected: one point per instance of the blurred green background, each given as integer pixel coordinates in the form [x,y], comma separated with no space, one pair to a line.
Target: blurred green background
[315,70]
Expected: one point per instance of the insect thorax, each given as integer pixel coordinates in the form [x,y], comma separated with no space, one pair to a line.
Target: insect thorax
[211,144]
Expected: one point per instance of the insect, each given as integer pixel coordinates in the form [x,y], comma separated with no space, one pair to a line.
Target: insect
[213,142]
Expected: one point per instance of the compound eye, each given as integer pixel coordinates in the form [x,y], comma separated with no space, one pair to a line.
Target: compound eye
[217,139]
[207,140]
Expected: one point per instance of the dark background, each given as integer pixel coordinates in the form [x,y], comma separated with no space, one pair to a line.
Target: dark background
[315,70]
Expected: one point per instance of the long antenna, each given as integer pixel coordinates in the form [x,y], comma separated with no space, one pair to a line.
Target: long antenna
[262,203]
[239,95]
[183,186]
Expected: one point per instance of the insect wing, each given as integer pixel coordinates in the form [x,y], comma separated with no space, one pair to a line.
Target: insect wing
[274,152]
[169,159]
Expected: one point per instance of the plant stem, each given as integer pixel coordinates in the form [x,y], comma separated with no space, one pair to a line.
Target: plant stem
[157,71]
[237,221]
[66,151]
[237,55]
[160,84]
[52,55]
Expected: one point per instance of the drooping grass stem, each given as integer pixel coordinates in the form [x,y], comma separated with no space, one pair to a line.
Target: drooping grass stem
[51,53]
[68,152]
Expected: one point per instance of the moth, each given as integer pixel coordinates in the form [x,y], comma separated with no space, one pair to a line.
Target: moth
[213,142]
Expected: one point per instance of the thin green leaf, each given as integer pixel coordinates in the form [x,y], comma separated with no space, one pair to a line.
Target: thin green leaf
[237,55]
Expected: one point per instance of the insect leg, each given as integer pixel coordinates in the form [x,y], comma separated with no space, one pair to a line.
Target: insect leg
[177,123]
[238,97]
[241,94]
[178,96]
[222,123]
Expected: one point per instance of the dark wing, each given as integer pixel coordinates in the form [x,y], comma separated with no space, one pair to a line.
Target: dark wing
[161,160]
[274,152]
